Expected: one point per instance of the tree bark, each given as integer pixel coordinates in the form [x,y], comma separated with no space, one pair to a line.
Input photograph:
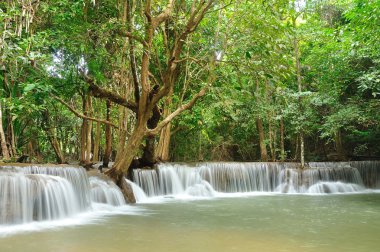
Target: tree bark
[263,148]
[299,83]
[4,148]
[83,132]
[51,134]
[34,151]
[260,128]
[123,117]
[282,140]
[163,153]
[88,130]
[149,157]
[164,142]
[95,158]
[108,148]
[11,136]
[271,140]
[302,148]
[120,168]
[339,146]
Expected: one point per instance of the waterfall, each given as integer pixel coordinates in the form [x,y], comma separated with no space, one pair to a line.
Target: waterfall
[45,193]
[106,192]
[32,197]
[76,176]
[36,193]
[137,191]
[369,171]
[208,179]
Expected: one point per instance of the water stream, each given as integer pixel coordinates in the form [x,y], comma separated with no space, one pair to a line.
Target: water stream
[194,207]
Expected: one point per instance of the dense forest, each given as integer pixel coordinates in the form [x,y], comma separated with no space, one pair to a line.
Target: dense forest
[138,81]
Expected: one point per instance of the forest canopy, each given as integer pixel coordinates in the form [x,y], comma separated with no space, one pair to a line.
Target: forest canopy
[136,82]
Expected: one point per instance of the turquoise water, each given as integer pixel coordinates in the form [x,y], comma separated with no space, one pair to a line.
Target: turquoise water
[252,223]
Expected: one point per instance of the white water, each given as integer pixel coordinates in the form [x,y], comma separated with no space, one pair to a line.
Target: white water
[222,179]
[140,195]
[34,198]
[25,198]
[47,197]
[106,192]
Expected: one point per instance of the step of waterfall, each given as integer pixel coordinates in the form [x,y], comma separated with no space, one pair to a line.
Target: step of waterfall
[47,193]
[44,193]
[209,179]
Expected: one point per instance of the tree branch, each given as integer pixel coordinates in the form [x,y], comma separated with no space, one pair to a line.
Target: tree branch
[169,118]
[132,57]
[78,114]
[163,15]
[196,17]
[132,36]
[102,93]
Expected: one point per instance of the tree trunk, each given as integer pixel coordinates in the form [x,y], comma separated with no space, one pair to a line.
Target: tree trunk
[34,151]
[164,144]
[57,150]
[124,161]
[263,148]
[4,148]
[302,148]
[11,136]
[108,148]
[149,157]
[282,140]
[88,130]
[299,82]
[123,118]
[271,139]
[95,158]
[296,151]
[339,146]
[260,128]
[51,134]
[83,133]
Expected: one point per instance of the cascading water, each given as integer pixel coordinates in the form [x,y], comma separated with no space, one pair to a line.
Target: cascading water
[106,192]
[46,193]
[76,176]
[139,194]
[369,171]
[25,198]
[208,179]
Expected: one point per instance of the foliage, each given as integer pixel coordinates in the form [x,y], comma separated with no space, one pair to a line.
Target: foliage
[48,47]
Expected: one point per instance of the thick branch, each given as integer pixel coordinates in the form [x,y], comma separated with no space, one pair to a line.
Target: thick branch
[132,57]
[179,110]
[196,17]
[102,93]
[163,15]
[132,36]
[78,114]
